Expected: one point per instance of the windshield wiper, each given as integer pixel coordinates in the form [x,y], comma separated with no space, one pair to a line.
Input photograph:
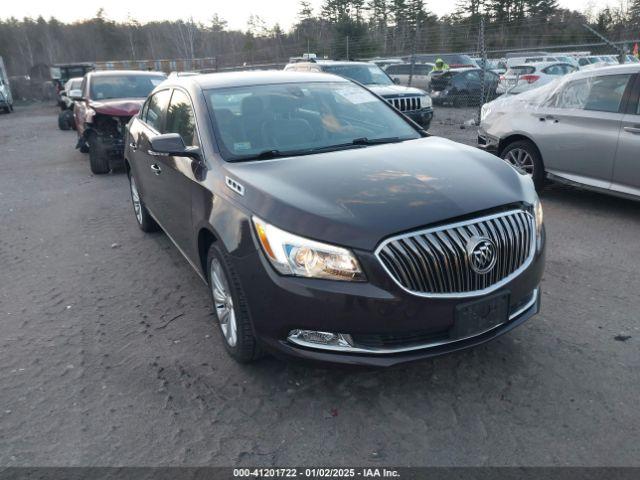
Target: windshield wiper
[375,141]
[273,153]
[355,143]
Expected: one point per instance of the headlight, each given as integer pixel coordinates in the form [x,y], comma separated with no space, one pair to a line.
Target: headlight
[293,255]
[537,209]
[426,101]
[89,114]
[484,111]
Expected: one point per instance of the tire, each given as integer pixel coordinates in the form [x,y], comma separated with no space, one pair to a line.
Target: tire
[143,217]
[461,100]
[7,109]
[525,155]
[65,119]
[98,161]
[242,346]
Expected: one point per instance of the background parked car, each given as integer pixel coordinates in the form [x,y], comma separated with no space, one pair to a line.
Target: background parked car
[520,78]
[71,89]
[420,74]
[108,101]
[583,129]
[462,86]
[413,102]
[61,73]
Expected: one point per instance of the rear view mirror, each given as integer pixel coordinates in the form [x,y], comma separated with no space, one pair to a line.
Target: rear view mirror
[75,94]
[172,144]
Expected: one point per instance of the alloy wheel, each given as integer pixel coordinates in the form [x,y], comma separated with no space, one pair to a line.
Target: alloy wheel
[135,198]
[223,302]
[519,157]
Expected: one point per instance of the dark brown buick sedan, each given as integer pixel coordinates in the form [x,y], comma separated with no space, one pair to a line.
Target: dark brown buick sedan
[327,225]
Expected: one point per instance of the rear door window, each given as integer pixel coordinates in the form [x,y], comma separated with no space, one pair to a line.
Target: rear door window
[602,94]
[156,109]
[554,70]
[606,93]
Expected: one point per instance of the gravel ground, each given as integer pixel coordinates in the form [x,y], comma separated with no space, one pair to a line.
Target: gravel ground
[109,357]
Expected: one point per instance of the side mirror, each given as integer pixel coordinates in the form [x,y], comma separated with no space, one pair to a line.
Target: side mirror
[172,145]
[75,94]
[396,80]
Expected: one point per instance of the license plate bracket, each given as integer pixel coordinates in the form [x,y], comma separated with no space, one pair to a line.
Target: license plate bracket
[473,318]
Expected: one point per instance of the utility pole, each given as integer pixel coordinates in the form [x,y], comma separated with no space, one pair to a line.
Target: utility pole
[621,50]
[347,47]
[483,56]
[413,54]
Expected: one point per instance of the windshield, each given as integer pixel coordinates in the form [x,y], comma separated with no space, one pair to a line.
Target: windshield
[365,74]
[73,85]
[123,86]
[265,121]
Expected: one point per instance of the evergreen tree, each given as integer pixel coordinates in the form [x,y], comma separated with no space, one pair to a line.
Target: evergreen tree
[634,12]
[543,8]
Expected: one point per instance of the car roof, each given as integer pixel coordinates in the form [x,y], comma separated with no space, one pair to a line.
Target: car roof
[107,73]
[415,63]
[333,62]
[609,70]
[208,81]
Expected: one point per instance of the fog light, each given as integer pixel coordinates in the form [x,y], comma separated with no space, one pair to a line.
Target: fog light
[313,338]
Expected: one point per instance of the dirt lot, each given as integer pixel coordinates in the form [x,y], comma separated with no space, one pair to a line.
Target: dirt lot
[109,357]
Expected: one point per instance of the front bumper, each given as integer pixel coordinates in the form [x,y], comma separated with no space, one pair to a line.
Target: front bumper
[422,117]
[488,142]
[377,308]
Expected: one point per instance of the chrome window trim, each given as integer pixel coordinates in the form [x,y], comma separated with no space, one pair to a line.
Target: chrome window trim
[386,351]
[475,293]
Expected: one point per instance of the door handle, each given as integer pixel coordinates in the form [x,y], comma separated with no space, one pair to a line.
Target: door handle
[634,129]
[133,146]
[156,169]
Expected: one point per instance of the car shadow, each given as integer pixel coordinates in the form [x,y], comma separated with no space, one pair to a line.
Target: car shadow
[584,199]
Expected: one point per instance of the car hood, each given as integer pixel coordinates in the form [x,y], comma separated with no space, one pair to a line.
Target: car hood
[120,107]
[395,90]
[357,197]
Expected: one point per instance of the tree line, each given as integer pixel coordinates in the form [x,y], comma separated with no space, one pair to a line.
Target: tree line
[338,29]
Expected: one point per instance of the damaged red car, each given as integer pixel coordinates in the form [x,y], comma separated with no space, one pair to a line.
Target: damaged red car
[108,101]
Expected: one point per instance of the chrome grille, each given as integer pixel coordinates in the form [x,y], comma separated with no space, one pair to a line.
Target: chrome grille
[436,261]
[406,104]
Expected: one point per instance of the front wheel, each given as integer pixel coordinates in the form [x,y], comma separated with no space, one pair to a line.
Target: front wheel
[65,120]
[143,217]
[230,307]
[524,155]
[98,160]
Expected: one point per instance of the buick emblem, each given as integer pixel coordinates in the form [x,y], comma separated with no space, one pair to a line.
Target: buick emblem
[482,254]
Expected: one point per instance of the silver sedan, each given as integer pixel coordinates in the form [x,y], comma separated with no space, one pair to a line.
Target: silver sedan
[583,129]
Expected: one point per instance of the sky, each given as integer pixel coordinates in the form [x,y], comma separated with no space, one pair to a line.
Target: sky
[235,12]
